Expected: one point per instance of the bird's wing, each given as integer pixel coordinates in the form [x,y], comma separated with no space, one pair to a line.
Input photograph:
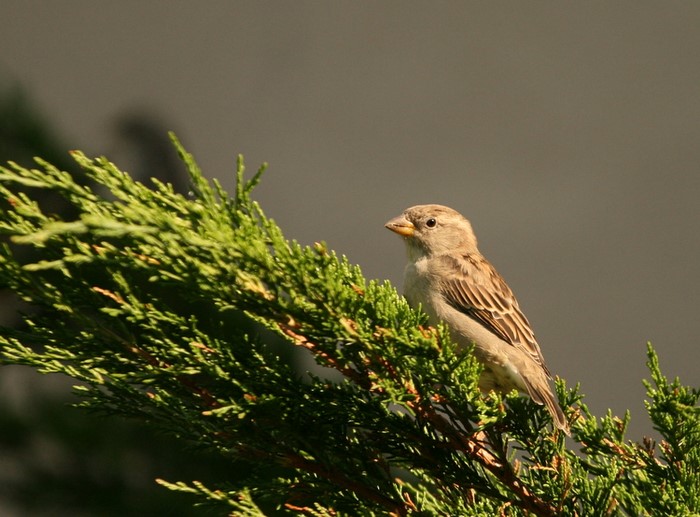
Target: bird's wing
[475,288]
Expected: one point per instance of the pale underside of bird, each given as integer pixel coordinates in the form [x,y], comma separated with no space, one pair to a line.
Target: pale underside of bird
[451,281]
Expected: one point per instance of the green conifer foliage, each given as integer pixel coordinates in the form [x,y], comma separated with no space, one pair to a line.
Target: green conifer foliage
[165,307]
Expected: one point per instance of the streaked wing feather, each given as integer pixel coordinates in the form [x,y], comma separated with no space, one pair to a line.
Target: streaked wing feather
[477,290]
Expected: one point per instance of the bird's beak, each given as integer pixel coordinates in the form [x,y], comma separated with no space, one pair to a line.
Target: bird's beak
[401,225]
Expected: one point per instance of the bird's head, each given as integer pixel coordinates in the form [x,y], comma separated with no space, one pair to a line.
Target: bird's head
[433,230]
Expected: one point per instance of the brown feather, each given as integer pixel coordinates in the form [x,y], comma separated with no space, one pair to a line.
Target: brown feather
[477,290]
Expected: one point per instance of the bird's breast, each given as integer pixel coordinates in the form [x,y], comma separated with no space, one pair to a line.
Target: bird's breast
[418,288]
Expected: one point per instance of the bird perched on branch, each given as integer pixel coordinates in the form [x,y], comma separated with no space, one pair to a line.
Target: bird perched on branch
[449,278]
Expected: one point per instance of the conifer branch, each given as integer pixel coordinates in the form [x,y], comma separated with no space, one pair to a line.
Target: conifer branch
[161,306]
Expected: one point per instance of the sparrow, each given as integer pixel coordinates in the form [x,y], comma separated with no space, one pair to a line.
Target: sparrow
[452,282]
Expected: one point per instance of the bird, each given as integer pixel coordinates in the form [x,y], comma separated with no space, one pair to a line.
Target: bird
[451,281]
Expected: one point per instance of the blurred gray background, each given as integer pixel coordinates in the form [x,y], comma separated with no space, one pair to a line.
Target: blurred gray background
[568,132]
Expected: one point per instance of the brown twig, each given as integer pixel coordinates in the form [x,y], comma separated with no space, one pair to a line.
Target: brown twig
[290,330]
[298,462]
[475,446]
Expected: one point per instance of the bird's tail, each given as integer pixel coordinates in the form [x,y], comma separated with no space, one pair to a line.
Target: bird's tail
[541,392]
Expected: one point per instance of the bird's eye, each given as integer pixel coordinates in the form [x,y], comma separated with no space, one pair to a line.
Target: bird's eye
[431,223]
